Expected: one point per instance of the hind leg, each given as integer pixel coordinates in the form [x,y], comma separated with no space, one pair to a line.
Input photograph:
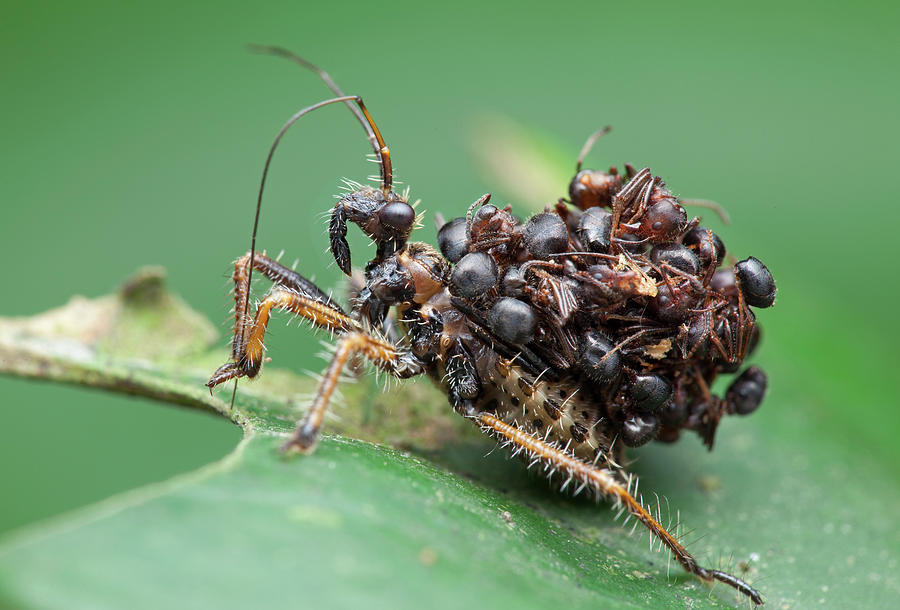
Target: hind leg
[383,354]
[604,482]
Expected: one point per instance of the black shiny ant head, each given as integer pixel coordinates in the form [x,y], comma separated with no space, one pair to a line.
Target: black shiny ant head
[746,393]
[489,226]
[723,282]
[708,246]
[545,234]
[473,276]
[662,222]
[597,359]
[385,217]
[485,221]
[676,256]
[595,228]
[674,301]
[512,320]
[452,240]
[513,283]
[650,393]
[757,283]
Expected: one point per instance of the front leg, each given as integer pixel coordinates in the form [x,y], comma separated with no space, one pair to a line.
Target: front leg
[292,292]
[280,276]
[249,353]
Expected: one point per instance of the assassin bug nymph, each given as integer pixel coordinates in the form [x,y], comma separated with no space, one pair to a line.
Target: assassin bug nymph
[598,324]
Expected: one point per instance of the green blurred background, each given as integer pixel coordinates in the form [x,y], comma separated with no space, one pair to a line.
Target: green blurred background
[136,135]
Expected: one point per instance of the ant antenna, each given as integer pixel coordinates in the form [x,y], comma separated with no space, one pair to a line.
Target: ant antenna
[710,205]
[382,152]
[589,145]
[347,99]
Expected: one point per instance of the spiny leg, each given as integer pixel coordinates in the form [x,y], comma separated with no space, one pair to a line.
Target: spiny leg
[277,273]
[383,354]
[625,196]
[248,337]
[604,482]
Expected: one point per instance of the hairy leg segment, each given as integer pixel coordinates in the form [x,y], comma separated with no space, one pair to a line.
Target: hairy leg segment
[301,297]
[604,482]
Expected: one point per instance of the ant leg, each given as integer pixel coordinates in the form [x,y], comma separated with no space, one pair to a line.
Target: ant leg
[386,356]
[643,198]
[249,335]
[626,195]
[632,189]
[604,482]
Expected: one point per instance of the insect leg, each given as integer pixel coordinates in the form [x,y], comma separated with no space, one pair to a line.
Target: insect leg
[604,482]
[248,352]
[386,356]
[279,274]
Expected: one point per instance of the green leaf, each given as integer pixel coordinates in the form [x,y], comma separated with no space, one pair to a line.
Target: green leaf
[363,524]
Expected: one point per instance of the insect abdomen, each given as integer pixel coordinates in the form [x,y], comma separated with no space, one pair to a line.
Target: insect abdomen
[556,411]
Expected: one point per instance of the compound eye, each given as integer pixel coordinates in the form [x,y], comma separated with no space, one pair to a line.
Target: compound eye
[746,392]
[639,430]
[757,282]
[474,275]
[452,240]
[512,320]
[663,221]
[398,216]
[546,234]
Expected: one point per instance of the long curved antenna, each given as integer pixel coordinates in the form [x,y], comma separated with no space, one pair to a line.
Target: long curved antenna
[382,152]
[262,185]
[710,205]
[589,145]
